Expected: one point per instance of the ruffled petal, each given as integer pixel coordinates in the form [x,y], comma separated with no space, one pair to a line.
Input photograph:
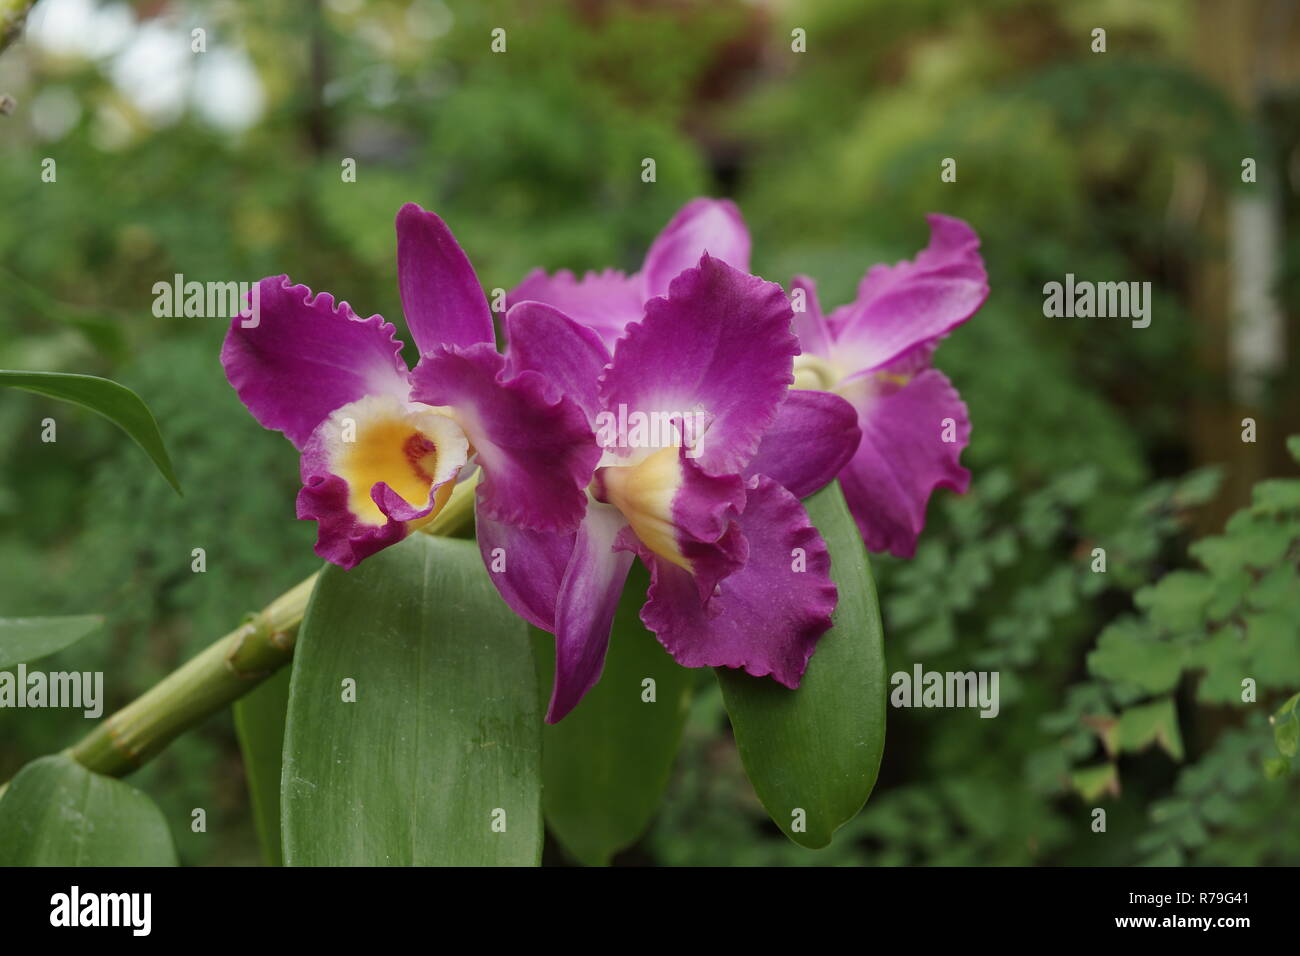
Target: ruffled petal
[299,356]
[441,295]
[589,594]
[535,446]
[703,225]
[603,301]
[765,618]
[910,304]
[527,567]
[570,356]
[719,345]
[903,457]
[814,436]
[373,472]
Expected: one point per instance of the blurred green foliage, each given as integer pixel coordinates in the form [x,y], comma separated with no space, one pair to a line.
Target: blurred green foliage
[1120,689]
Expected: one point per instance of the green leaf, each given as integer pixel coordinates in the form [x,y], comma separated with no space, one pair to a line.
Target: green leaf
[606,765]
[1092,782]
[1151,723]
[58,813]
[1286,728]
[24,639]
[818,748]
[115,402]
[1126,652]
[441,747]
[1177,601]
[259,724]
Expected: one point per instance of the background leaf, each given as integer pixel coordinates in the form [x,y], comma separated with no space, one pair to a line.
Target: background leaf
[259,723]
[818,748]
[25,639]
[606,765]
[58,813]
[117,403]
[445,730]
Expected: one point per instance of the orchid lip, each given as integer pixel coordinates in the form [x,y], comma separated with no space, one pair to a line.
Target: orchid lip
[643,493]
[814,373]
[411,448]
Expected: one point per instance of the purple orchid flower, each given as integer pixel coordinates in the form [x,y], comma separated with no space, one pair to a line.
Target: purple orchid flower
[608,301]
[382,446]
[877,353]
[706,454]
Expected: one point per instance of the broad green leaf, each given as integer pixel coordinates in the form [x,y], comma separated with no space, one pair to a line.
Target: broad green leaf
[25,639]
[58,813]
[817,749]
[437,760]
[259,724]
[115,402]
[606,765]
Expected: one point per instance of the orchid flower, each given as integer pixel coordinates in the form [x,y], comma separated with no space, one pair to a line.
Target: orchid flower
[877,353]
[706,454]
[382,445]
[608,301]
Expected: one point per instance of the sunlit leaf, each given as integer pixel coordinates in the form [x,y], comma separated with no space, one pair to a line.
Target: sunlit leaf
[813,753]
[605,766]
[414,732]
[58,813]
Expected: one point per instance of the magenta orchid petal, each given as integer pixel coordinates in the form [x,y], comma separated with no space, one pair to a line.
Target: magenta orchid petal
[441,295]
[767,617]
[300,356]
[341,539]
[904,456]
[603,301]
[703,225]
[814,436]
[527,567]
[543,339]
[903,306]
[535,446]
[588,599]
[392,505]
[719,344]
[810,325]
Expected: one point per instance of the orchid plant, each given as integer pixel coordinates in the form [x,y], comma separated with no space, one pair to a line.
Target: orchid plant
[668,471]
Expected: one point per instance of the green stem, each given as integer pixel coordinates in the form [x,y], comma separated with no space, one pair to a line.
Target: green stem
[222,673]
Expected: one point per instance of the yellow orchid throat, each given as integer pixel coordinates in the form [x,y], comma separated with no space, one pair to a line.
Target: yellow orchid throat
[644,494]
[409,447]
